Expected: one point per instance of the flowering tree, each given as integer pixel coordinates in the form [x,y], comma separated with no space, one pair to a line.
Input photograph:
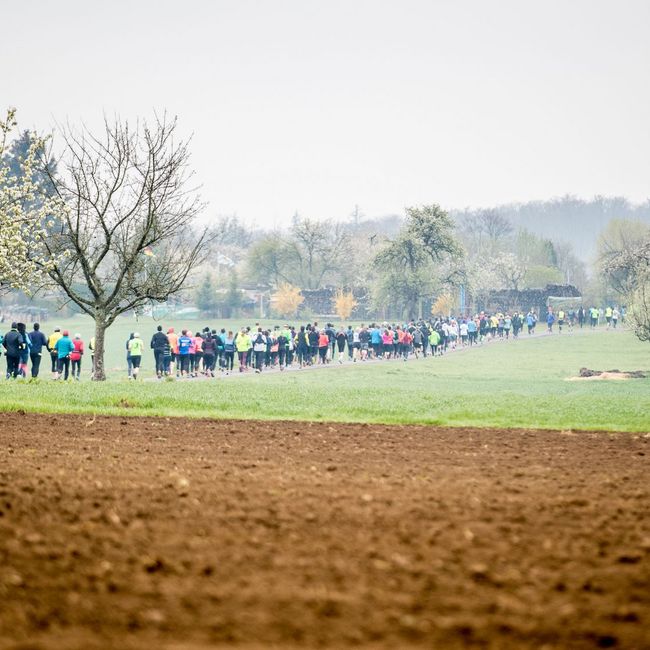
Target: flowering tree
[24,208]
[125,234]
[509,270]
[287,299]
[344,304]
[630,269]
[425,256]
[443,306]
[639,311]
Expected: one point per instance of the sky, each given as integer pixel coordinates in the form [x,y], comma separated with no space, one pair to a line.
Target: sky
[316,107]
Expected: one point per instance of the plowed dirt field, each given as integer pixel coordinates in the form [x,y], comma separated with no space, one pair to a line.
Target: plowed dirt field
[169,533]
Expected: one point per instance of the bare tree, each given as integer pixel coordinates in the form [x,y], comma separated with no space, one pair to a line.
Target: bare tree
[572,268]
[495,226]
[485,231]
[230,238]
[268,260]
[310,255]
[125,232]
[318,249]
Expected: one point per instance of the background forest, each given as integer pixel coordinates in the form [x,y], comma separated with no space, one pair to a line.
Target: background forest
[396,264]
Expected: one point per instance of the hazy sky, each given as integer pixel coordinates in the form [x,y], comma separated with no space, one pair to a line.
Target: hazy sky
[317,106]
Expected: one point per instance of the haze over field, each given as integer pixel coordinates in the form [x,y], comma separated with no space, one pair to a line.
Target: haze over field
[316,107]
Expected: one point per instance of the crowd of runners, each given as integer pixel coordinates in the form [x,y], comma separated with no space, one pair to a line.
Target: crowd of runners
[189,354]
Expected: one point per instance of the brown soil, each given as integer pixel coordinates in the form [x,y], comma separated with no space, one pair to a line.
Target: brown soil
[159,533]
[587,374]
[602,376]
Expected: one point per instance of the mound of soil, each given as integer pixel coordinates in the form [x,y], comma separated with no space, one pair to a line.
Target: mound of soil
[169,533]
[603,375]
[628,374]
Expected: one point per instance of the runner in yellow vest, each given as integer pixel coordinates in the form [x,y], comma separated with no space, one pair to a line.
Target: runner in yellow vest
[136,346]
[51,346]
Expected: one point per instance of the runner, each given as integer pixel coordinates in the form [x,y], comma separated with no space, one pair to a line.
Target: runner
[341,341]
[243,344]
[323,347]
[199,367]
[364,342]
[472,331]
[75,356]
[313,344]
[302,347]
[550,319]
[259,349]
[209,354]
[51,346]
[38,341]
[64,347]
[25,350]
[13,344]
[228,352]
[464,333]
[530,322]
[417,342]
[350,341]
[167,359]
[129,364]
[183,358]
[375,340]
[356,344]
[434,342]
[136,347]
[282,342]
[159,342]
[507,325]
[172,337]
[387,343]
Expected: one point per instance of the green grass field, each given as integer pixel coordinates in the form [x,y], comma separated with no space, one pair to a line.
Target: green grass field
[515,384]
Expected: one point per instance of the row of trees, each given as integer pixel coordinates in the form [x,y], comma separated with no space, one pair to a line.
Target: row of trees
[401,267]
[483,251]
[421,257]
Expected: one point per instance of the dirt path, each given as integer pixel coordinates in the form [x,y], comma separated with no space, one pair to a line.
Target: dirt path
[158,533]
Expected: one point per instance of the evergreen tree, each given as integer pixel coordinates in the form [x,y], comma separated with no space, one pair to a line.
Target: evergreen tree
[206,299]
[233,297]
[19,152]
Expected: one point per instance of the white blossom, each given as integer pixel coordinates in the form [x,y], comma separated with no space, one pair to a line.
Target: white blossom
[24,211]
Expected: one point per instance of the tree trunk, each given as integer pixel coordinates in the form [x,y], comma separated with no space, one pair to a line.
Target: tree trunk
[411,308]
[100,335]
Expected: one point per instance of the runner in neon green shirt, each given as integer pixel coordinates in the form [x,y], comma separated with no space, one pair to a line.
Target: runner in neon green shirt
[136,346]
